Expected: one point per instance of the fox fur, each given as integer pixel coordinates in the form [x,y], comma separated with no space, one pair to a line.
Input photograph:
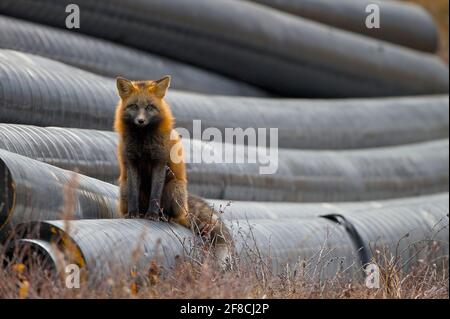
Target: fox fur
[153,179]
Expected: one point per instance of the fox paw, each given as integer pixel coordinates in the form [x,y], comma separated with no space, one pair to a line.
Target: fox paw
[132,214]
[152,215]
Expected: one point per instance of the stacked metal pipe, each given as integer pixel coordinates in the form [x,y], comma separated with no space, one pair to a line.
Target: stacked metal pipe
[31,190]
[349,172]
[110,59]
[286,55]
[425,218]
[31,95]
[398,19]
[323,245]
[292,175]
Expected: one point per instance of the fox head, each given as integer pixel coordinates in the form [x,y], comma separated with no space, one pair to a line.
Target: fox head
[142,103]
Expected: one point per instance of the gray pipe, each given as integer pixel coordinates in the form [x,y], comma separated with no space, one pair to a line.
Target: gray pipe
[408,229]
[128,244]
[320,242]
[28,200]
[244,210]
[110,59]
[412,228]
[42,92]
[401,23]
[89,152]
[407,233]
[26,184]
[52,93]
[31,190]
[301,176]
[321,124]
[287,55]
[44,255]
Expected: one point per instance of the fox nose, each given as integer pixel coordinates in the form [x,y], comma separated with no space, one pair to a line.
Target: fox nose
[141,121]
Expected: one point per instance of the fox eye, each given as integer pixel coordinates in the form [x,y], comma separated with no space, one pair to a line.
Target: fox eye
[133,106]
[149,106]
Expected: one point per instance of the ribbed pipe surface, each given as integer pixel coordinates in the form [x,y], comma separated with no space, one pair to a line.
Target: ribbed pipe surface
[32,190]
[286,55]
[110,59]
[397,19]
[26,184]
[42,92]
[244,210]
[406,233]
[116,246]
[322,244]
[301,176]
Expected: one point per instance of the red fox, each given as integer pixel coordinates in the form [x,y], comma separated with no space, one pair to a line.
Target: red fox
[152,183]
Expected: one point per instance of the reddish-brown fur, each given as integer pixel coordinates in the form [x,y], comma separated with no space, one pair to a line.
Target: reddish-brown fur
[157,143]
[175,188]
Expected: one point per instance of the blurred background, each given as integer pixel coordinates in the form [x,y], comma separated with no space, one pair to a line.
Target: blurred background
[439,9]
[362,122]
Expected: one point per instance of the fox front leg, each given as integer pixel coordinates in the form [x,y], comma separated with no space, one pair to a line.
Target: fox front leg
[158,181]
[133,185]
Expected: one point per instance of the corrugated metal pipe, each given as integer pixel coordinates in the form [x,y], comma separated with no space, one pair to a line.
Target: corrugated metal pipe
[27,184]
[31,95]
[397,19]
[111,59]
[286,55]
[321,246]
[300,176]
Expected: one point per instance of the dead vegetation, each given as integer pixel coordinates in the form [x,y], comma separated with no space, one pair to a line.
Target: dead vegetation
[24,274]
[24,277]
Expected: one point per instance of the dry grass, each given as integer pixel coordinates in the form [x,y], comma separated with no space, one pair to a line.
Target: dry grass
[24,275]
[440,11]
[191,280]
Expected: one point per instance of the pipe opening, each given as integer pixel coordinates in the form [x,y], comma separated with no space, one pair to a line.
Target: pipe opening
[7,193]
[33,254]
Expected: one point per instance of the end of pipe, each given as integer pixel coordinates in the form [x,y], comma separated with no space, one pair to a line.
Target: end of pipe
[34,253]
[7,194]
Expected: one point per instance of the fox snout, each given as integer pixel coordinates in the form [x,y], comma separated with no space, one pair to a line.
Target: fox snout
[141,116]
[141,121]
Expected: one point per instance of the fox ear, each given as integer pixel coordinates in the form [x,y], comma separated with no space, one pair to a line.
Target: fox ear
[162,86]
[125,87]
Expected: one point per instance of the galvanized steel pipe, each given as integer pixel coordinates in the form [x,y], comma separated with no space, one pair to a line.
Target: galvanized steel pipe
[244,210]
[321,124]
[42,92]
[130,244]
[402,23]
[89,152]
[301,176]
[110,59]
[407,232]
[26,185]
[315,241]
[31,190]
[287,55]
